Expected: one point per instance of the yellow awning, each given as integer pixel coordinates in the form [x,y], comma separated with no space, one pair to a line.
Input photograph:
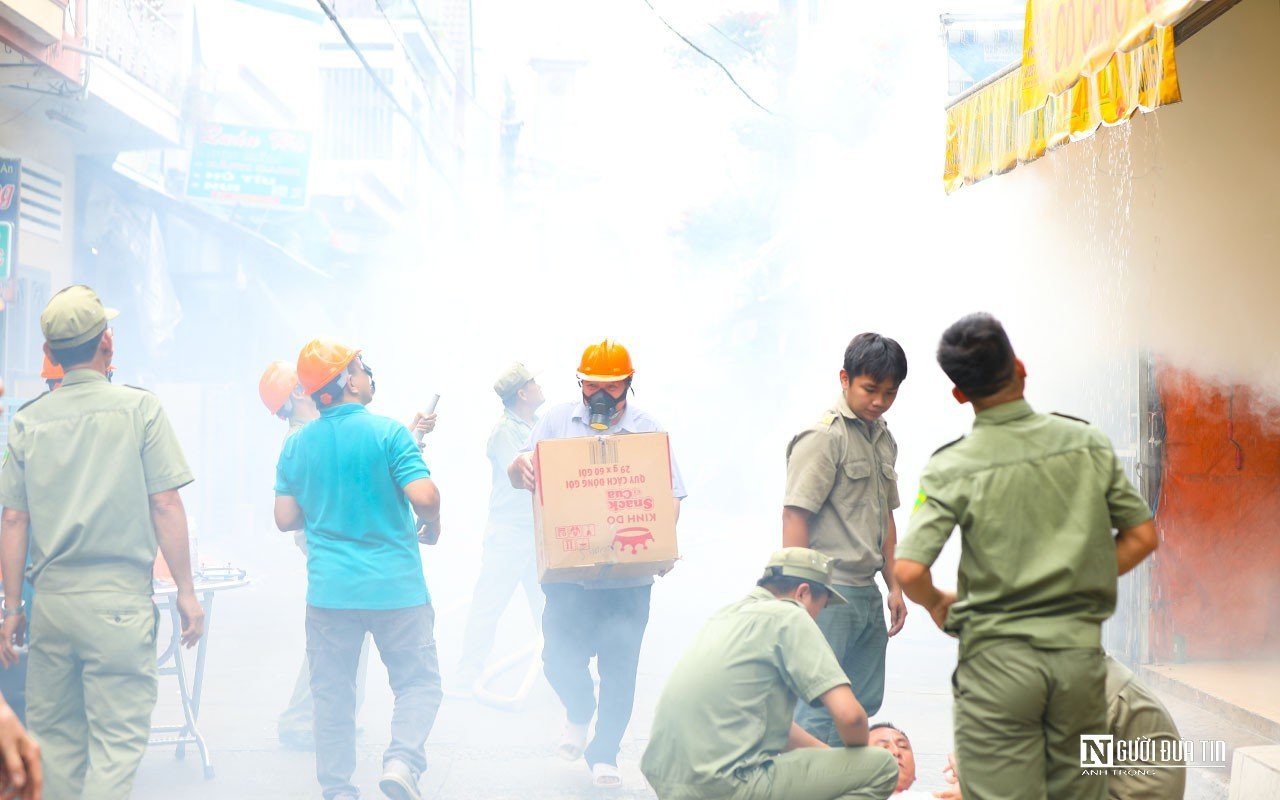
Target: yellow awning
[987,133]
[1065,41]
[1084,65]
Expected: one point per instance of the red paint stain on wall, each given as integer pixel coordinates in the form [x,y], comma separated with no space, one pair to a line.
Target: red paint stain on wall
[1216,577]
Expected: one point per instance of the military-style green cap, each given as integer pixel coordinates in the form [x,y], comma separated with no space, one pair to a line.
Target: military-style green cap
[805,564]
[74,316]
[512,380]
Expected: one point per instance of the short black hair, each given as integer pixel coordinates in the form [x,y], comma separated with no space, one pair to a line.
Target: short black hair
[80,354]
[976,355]
[877,356]
[890,726]
[785,584]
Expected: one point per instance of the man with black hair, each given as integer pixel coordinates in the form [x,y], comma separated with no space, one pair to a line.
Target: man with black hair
[723,727]
[357,484]
[1036,497]
[842,488]
[890,737]
[509,556]
[91,482]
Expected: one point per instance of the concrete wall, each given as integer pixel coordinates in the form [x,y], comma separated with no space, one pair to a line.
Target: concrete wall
[32,136]
[27,134]
[1162,235]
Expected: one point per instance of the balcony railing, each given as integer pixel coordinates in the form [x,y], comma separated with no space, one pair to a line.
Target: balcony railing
[136,37]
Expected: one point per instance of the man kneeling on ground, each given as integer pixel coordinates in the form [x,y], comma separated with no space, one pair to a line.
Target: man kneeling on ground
[723,726]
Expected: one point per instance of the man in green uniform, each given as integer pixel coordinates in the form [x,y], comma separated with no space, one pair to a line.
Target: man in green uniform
[842,489]
[1133,713]
[723,727]
[91,478]
[1036,498]
[509,557]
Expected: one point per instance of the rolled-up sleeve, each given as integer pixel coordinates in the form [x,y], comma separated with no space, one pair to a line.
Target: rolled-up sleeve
[404,458]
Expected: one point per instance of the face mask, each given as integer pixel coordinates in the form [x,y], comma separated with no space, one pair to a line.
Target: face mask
[602,406]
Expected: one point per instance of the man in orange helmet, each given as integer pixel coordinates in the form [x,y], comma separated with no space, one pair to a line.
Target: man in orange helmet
[355,482]
[283,396]
[602,618]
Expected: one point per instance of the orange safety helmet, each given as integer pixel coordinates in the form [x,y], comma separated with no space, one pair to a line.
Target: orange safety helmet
[321,361]
[277,385]
[51,371]
[606,361]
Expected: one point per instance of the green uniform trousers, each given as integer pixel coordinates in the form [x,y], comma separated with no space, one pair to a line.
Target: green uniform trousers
[1019,715]
[841,773]
[91,688]
[858,636]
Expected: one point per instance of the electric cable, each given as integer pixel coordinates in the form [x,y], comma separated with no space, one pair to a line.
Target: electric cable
[422,79]
[709,57]
[443,57]
[382,87]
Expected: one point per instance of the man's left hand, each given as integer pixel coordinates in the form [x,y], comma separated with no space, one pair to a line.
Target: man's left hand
[897,612]
[422,425]
[428,531]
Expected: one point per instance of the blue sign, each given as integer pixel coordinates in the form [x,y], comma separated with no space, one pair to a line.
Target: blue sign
[10,190]
[240,165]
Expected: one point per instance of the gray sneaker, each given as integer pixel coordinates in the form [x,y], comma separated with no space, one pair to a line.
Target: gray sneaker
[399,781]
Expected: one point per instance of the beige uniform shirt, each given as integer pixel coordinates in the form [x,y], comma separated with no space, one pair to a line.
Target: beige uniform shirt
[842,470]
[83,462]
[728,704]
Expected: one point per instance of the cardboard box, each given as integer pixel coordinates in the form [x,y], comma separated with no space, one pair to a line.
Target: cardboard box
[603,507]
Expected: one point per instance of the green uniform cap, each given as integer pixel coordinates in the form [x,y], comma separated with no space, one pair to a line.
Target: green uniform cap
[804,564]
[74,316]
[512,380]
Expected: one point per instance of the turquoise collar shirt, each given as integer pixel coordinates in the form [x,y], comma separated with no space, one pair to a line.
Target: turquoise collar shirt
[348,470]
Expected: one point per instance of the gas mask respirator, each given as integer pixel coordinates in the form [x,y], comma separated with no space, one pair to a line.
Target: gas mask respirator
[602,406]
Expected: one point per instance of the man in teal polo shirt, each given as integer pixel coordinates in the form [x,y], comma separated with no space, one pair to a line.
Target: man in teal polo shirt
[354,482]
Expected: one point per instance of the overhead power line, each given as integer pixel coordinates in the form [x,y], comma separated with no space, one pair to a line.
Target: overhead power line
[382,87]
[709,57]
[436,42]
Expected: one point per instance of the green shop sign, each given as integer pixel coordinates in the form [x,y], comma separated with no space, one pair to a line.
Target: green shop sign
[239,165]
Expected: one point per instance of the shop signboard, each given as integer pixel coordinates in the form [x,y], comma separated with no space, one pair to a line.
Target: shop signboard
[242,165]
[10,190]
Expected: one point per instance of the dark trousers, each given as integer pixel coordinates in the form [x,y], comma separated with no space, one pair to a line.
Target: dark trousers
[609,624]
[406,643]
